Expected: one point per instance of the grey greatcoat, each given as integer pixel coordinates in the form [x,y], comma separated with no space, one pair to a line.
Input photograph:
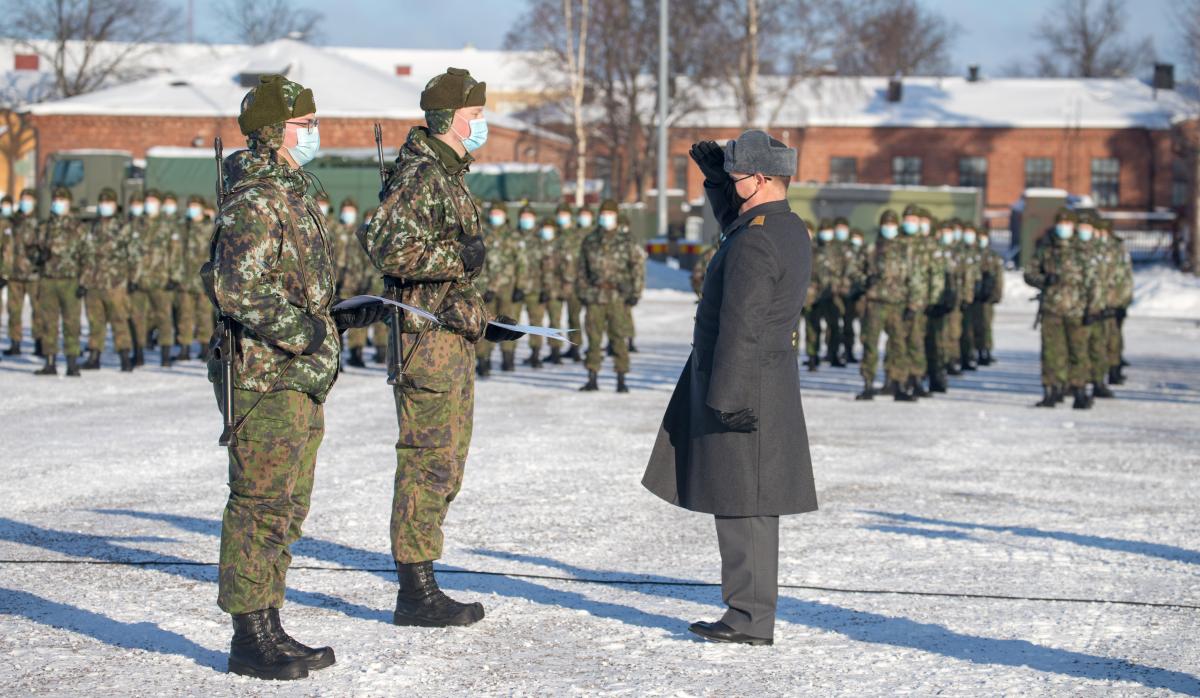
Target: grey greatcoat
[744,355]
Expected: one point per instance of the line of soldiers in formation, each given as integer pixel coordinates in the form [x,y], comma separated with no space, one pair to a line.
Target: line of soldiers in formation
[138,271]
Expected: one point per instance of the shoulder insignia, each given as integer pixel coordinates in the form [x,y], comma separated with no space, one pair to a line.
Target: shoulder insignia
[758,221]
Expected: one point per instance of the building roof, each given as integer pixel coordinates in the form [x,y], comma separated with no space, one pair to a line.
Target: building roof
[504,71]
[955,102]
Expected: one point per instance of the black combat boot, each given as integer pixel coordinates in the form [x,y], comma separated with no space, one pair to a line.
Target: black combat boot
[205,352]
[381,355]
[981,358]
[1116,376]
[850,358]
[1060,393]
[835,360]
[812,363]
[890,387]
[1082,401]
[621,387]
[903,393]
[632,347]
[37,349]
[968,364]
[185,353]
[535,358]
[356,358]
[917,386]
[555,356]
[314,659]
[484,369]
[50,369]
[573,354]
[1049,399]
[1100,390]
[868,392]
[139,357]
[165,352]
[420,602]
[73,366]
[253,651]
[93,361]
[937,382]
[508,361]
[953,369]
[126,361]
[14,348]
[591,383]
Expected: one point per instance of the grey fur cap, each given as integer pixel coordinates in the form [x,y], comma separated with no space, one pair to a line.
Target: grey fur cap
[754,152]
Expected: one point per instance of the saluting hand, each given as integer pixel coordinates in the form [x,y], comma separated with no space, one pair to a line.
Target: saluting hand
[710,158]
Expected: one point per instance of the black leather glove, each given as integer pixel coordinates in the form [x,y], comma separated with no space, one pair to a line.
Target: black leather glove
[518,295]
[872,279]
[132,287]
[3,282]
[80,291]
[710,158]
[964,307]
[825,296]
[544,297]
[631,301]
[502,334]
[742,421]
[319,332]
[937,310]
[1050,279]
[473,252]
[1090,319]
[489,296]
[909,314]
[950,298]
[172,285]
[364,315]
[1121,312]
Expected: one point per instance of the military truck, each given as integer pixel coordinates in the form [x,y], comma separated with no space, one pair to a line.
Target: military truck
[87,171]
[862,204]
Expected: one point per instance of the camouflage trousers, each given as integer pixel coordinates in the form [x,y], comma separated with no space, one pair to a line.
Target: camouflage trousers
[916,329]
[607,318]
[828,313]
[854,311]
[980,325]
[17,291]
[56,300]
[435,404]
[271,466]
[1113,332]
[108,307]
[1064,351]
[952,335]
[151,310]
[502,304]
[970,326]
[889,318]
[193,316]
[551,316]
[630,328]
[1098,353]
[534,312]
[575,319]
[988,316]
[936,330]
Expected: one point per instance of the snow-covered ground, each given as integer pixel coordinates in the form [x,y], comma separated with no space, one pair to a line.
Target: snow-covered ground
[966,545]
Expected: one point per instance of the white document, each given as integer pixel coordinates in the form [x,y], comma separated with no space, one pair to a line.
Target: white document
[550,332]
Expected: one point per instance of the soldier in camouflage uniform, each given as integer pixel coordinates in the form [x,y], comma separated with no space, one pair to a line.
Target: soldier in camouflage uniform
[350,267]
[854,300]
[272,275]
[530,292]
[943,263]
[105,277]
[1099,259]
[427,239]
[20,268]
[972,263]
[193,312]
[1059,270]
[889,292]
[157,275]
[927,288]
[134,233]
[6,230]
[639,271]
[558,265]
[820,301]
[62,253]
[498,282]
[607,282]
[585,223]
[991,292]
[1117,300]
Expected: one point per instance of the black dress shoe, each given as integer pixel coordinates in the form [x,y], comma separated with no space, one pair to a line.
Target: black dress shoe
[719,632]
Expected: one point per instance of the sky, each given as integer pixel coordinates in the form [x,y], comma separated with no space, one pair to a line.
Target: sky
[992,34]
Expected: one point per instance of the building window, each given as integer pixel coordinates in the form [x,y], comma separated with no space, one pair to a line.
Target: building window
[1180,191]
[1106,177]
[679,163]
[843,170]
[1039,173]
[906,170]
[972,172]
[25,61]
[403,71]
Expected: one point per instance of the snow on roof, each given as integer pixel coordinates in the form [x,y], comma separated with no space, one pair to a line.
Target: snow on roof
[503,71]
[928,102]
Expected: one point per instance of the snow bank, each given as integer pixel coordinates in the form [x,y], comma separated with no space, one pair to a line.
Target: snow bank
[1166,293]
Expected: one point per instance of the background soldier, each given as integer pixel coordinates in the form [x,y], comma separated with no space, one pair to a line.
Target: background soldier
[105,276]
[498,282]
[1100,261]
[639,272]
[20,270]
[530,288]
[854,299]
[921,289]
[426,238]
[156,282]
[944,262]
[991,286]
[62,255]
[557,265]
[822,308]
[888,297]
[607,281]
[134,233]
[972,301]
[192,311]
[573,240]
[1118,301]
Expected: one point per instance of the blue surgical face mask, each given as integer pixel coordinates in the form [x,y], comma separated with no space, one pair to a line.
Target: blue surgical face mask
[842,234]
[564,220]
[924,227]
[1063,231]
[825,235]
[889,232]
[194,213]
[324,206]
[527,223]
[497,219]
[948,237]
[106,209]
[857,242]
[983,242]
[6,210]
[968,237]
[958,235]
[59,207]
[136,210]
[169,209]
[349,216]
[26,206]
[308,142]
[911,227]
[608,221]
[1085,234]
[585,221]
[546,234]
[478,135]
[153,208]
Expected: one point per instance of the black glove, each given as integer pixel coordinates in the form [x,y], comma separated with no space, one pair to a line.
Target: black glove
[319,332]
[1109,313]
[473,252]
[1121,312]
[964,306]
[872,279]
[742,421]
[544,297]
[132,287]
[909,314]
[80,291]
[3,282]
[937,310]
[489,296]
[1050,279]
[172,285]
[631,301]
[825,296]
[364,315]
[502,334]
[710,158]
[518,295]
[949,299]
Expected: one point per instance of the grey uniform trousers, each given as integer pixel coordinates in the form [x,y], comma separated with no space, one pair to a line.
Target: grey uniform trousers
[749,572]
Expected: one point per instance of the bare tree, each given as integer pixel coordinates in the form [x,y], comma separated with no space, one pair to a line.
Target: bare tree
[1086,39]
[17,133]
[92,43]
[1186,16]
[886,37]
[576,55]
[261,21]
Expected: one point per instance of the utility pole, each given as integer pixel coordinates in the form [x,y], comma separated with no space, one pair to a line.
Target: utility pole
[662,117]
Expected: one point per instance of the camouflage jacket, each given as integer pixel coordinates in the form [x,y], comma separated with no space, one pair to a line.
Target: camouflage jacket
[700,270]
[992,267]
[531,249]
[970,272]
[558,269]
[160,247]
[571,241]
[928,282]
[505,265]
[1122,292]
[345,277]
[21,252]
[413,237]
[134,234]
[272,273]
[890,277]
[608,268]
[1074,293]
[6,241]
[108,259]
[639,262]
[833,268]
[194,249]
[62,245]
[946,267]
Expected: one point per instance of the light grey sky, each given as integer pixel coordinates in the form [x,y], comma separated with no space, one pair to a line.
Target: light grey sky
[992,33]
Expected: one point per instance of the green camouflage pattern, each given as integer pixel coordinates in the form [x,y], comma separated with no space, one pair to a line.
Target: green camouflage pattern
[108,259]
[1075,292]
[108,307]
[501,274]
[273,274]
[20,252]
[160,246]
[608,268]
[889,273]
[56,301]
[1064,351]
[63,248]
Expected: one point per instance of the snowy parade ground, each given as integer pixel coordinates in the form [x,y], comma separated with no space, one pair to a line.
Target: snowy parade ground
[969,544]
